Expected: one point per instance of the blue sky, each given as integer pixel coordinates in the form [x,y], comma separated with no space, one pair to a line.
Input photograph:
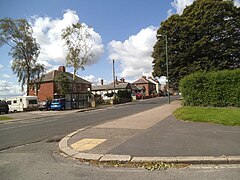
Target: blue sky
[124,30]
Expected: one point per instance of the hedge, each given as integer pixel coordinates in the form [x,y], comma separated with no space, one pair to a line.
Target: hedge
[214,89]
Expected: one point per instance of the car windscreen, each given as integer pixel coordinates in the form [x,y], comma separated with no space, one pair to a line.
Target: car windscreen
[56,101]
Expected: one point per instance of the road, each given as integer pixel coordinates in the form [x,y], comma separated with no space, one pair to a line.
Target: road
[36,130]
[29,150]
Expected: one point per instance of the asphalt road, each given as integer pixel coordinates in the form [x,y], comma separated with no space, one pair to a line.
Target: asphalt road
[41,160]
[53,128]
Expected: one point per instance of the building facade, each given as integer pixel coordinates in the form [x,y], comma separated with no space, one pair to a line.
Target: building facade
[47,88]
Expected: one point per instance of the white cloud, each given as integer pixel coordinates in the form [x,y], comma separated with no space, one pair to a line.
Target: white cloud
[237,3]
[8,89]
[94,80]
[134,54]
[1,66]
[180,5]
[48,34]
[6,76]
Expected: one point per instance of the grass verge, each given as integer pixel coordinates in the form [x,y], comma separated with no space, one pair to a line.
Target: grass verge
[2,118]
[225,116]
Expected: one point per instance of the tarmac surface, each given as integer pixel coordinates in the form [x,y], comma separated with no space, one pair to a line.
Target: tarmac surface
[155,135]
[149,136]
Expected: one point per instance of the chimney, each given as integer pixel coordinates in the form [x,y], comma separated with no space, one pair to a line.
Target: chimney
[61,68]
[122,80]
[102,82]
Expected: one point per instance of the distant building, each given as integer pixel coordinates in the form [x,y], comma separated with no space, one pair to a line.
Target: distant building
[148,87]
[106,91]
[47,88]
[156,82]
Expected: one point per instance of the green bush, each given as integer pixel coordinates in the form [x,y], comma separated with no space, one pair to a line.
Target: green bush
[124,94]
[216,89]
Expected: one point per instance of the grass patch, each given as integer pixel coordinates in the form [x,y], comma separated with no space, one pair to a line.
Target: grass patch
[225,116]
[2,118]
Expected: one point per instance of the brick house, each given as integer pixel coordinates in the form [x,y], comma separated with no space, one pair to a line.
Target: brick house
[47,88]
[148,87]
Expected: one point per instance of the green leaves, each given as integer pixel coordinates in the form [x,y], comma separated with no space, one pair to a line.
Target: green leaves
[216,89]
[63,84]
[205,37]
[24,49]
[78,41]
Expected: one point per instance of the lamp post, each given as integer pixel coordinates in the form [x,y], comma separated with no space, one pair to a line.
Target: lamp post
[114,82]
[166,51]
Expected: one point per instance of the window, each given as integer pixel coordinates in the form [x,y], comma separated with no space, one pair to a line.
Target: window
[21,100]
[14,101]
[33,101]
[9,102]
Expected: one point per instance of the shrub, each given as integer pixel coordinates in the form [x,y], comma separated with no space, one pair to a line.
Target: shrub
[217,88]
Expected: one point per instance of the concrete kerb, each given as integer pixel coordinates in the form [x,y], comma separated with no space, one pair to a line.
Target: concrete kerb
[69,152]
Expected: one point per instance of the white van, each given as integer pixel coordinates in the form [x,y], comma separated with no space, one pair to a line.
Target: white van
[22,103]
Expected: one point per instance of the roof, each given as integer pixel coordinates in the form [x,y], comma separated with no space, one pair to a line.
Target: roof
[142,80]
[153,81]
[135,88]
[111,87]
[48,77]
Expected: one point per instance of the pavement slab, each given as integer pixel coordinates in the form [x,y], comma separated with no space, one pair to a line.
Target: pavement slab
[172,137]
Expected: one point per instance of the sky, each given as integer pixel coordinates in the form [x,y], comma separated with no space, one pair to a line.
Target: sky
[123,30]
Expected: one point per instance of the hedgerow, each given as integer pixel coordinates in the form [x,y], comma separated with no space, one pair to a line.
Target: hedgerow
[216,88]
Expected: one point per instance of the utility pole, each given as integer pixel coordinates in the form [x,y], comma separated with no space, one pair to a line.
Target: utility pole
[114,86]
[166,51]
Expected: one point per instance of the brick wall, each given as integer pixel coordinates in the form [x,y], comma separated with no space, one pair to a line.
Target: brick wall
[46,91]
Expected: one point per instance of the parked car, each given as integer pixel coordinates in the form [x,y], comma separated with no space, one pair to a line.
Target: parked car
[139,96]
[58,104]
[45,105]
[4,107]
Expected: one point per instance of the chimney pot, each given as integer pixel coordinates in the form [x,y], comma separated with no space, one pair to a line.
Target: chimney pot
[61,68]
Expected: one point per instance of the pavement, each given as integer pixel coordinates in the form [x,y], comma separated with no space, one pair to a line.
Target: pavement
[154,136]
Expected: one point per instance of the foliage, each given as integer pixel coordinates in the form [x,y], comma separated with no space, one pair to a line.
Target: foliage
[63,84]
[225,116]
[205,37]
[218,88]
[124,94]
[79,44]
[24,49]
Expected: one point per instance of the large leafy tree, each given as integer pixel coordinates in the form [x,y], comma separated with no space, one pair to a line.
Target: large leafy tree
[79,43]
[24,49]
[205,37]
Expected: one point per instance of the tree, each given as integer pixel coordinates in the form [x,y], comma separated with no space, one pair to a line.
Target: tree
[24,49]
[79,44]
[62,83]
[205,37]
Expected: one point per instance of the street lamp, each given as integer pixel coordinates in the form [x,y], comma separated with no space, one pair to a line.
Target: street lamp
[166,50]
